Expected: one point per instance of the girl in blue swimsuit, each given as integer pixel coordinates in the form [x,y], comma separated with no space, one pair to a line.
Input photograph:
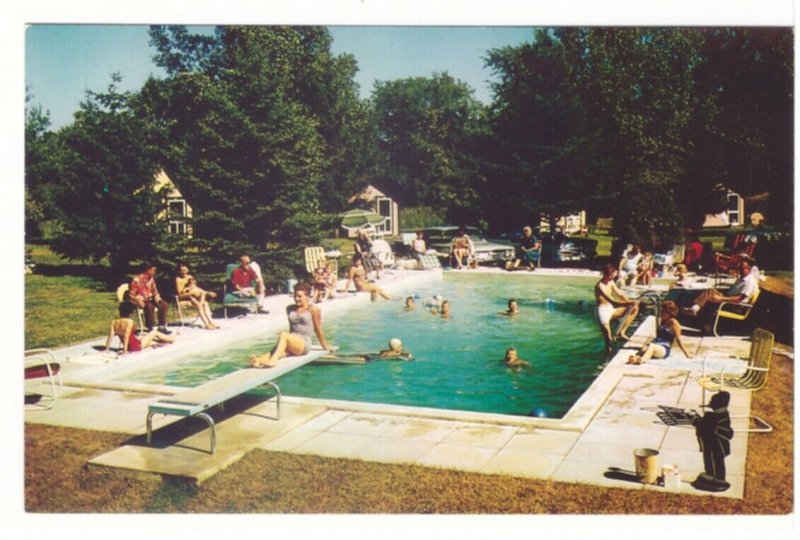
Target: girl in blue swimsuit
[669,330]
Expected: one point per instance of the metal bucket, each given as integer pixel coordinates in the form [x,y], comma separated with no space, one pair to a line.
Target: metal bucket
[646,465]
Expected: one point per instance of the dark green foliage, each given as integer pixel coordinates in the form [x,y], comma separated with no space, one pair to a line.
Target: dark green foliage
[256,122]
[102,183]
[430,130]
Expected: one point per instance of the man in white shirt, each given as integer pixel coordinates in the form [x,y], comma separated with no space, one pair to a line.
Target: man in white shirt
[740,292]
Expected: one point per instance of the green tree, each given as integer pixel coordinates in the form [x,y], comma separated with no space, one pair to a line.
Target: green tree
[537,162]
[103,185]
[742,137]
[257,123]
[637,88]
[429,130]
[41,150]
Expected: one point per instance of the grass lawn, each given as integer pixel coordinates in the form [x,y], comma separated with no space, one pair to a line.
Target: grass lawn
[65,309]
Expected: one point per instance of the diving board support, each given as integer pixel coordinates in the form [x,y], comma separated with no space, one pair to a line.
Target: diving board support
[196,401]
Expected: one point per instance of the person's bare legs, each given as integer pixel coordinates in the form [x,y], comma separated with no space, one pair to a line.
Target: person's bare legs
[606,329]
[288,345]
[154,336]
[630,314]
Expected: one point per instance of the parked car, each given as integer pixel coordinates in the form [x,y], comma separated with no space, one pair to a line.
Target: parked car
[561,249]
[485,251]
[558,249]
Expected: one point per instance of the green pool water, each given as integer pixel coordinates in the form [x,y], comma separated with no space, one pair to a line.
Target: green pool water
[458,362]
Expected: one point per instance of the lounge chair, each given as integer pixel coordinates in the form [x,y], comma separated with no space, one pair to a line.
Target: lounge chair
[183,306]
[231,299]
[741,248]
[122,296]
[383,252]
[753,378]
[315,254]
[41,364]
[735,311]
[667,261]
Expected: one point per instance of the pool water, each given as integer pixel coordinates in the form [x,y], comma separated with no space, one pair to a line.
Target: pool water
[457,362]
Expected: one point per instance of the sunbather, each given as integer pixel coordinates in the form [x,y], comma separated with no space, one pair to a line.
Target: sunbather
[305,319]
[669,330]
[186,288]
[357,275]
[324,282]
[125,329]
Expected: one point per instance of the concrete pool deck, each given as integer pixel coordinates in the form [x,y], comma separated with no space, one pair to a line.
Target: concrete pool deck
[593,444]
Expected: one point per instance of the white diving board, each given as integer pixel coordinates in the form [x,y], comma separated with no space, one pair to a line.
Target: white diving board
[195,401]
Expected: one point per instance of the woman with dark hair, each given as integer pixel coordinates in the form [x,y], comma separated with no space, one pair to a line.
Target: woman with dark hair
[125,329]
[669,330]
[305,320]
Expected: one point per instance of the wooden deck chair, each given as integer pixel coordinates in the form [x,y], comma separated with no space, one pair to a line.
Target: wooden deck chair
[754,377]
[736,312]
[41,364]
[315,254]
[229,299]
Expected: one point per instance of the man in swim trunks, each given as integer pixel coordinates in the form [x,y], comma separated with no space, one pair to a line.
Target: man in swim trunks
[612,304]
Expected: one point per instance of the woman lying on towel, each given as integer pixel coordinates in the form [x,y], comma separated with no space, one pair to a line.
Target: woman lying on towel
[305,319]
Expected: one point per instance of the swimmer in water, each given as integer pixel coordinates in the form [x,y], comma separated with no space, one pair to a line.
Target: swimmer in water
[443,310]
[410,304]
[512,360]
[394,352]
[513,308]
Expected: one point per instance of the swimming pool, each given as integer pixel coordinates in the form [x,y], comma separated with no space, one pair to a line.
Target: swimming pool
[458,362]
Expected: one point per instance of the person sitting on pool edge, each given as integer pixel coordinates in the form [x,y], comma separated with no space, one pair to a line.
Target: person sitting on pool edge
[305,319]
[512,360]
[612,304]
[669,330]
[357,275]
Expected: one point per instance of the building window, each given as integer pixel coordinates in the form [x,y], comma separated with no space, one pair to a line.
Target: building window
[176,208]
[733,208]
[177,213]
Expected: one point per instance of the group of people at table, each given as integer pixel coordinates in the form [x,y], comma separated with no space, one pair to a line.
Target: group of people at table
[681,301]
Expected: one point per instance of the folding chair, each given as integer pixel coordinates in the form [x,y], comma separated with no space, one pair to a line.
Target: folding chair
[41,364]
[753,378]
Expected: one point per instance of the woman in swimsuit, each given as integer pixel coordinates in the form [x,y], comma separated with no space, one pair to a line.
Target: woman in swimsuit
[125,329]
[460,248]
[305,319]
[357,275]
[187,290]
[669,330]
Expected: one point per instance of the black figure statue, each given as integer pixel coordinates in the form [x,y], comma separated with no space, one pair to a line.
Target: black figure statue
[714,433]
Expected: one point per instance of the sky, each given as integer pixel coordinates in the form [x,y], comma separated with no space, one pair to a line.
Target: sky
[63,61]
